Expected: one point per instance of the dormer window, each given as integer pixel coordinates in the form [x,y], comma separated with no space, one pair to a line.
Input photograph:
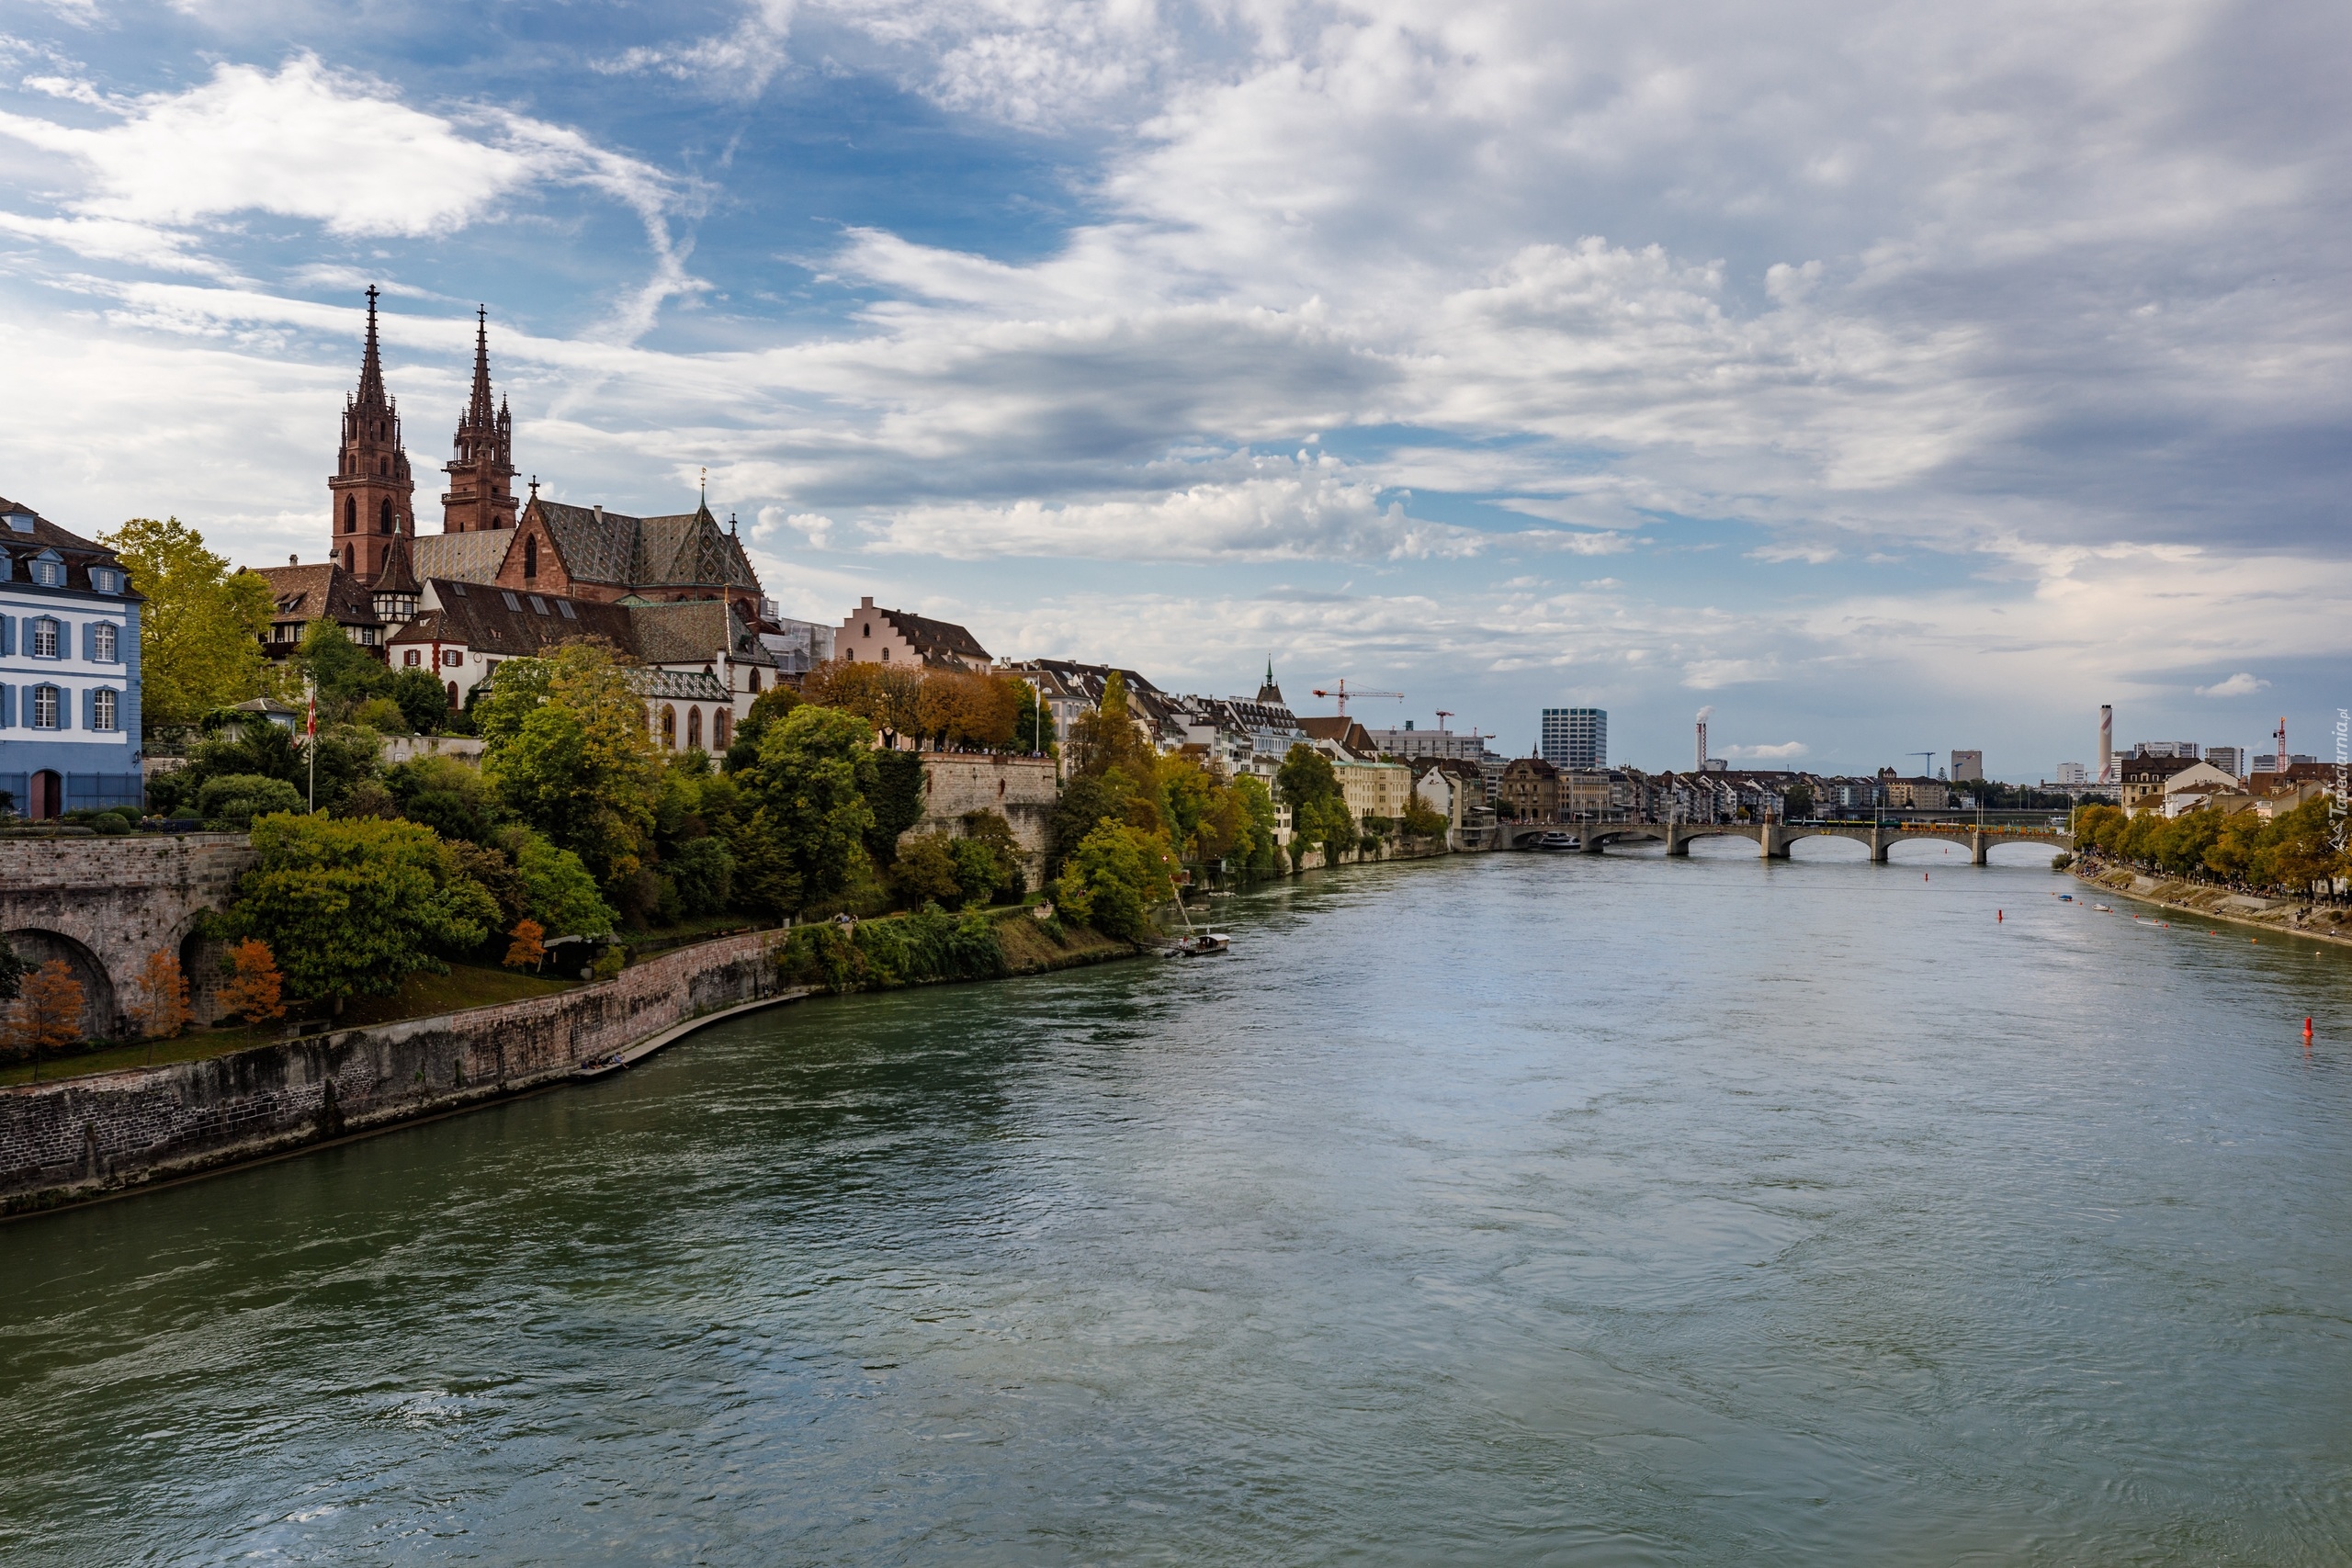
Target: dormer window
[20,522]
[106,580]
[512,602]
[565,606]
[48,571]
[538,604]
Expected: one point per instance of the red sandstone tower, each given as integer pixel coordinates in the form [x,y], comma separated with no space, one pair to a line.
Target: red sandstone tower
[371,489]
[481,474]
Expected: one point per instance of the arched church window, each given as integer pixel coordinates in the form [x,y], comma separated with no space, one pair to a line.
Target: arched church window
[755,680]
[384,517]
[350,515]
[348,559]
[694,730]
[721,729]
[668,727]
[531,558]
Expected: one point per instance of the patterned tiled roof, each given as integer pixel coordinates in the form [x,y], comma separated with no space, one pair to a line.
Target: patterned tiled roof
[694,629]
[465,557]
[677,685]
[685,550]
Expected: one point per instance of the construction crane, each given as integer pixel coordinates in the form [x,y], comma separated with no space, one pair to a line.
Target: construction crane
[1341,694]
[1442,714]
[1927,760]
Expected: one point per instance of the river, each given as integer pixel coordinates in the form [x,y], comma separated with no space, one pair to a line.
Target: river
[1510,1209]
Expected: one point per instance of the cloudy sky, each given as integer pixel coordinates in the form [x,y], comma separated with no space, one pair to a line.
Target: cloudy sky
[1893,378]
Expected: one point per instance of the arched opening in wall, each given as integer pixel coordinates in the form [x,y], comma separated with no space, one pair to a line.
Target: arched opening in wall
[694,730]
[37,947]
[384,516]
[453,694]
[350,515]
[200,962]
[668,727]
[1829,847]
[531,558]
[45,795]
[349,560]
[722,730]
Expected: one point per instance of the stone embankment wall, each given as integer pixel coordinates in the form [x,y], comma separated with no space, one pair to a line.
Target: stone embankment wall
[65,1140]
[104,905]
[2320,922]
[1023,788]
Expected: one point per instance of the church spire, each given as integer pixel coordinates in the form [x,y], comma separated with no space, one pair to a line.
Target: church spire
[482,466]
[371,489]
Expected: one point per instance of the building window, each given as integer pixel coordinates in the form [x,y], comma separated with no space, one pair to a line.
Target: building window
[722,730]
[453,693]
[886,656]
[564,606]
[101,710]
[668,727]
[530,557]
[694,730]
[384,516]
[755,680]
[348,559]
[453,656]
[866,630]
[41,639]
[102,643]
[45,707]
[411,659]
[350,515]
[102,580]
[538,604]
[512,602]
[50,573]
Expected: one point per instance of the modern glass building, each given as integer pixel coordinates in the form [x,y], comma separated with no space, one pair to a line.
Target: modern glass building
[1575,738]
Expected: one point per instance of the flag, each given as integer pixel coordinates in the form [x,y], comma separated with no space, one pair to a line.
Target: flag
[310,727]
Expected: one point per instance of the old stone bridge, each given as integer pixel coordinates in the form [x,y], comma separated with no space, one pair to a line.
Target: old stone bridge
[104,905]
[1772,838]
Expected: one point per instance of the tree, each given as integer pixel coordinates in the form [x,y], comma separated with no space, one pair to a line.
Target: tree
[565,746]
[162,1009]
[704,871]
[447,795]
[527,950]
[423,703]
[1309,785]
[926,872]
[345,674]
[888,696]
[351,906]
[770,706]
[254,987]
[809,802]
[48,1011]
[989,848]
[1032,722]
[200,628]
[1422,819]
[895,795]
[13,970]
[1107,738]
[558,890]
[1118,874]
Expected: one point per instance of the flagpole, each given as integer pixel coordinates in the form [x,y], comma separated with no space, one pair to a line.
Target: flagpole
[311,739]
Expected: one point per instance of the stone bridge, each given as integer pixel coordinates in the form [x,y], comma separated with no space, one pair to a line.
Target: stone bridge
[1772,838]
[104,905]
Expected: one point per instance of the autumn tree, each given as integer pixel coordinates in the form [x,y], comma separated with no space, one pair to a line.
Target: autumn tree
[528,948]
[254,988]
[48,1011]
[200,628]
[161,1010]
[888,696]
[1109,738]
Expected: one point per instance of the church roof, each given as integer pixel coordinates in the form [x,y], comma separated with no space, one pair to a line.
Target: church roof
[695,628]
[684,550]
[317,593]
[514,624]
[465,557]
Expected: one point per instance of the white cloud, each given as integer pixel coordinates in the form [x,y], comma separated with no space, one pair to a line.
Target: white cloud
[1784,751]
[2241,684]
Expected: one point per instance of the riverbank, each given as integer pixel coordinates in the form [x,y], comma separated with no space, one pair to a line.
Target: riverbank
[82,1139]
[2287,916]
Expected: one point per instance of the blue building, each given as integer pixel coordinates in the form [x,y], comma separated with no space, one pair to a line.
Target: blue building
[69,671]
[1575,738]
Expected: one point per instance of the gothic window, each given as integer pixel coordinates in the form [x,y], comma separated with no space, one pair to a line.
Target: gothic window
[694,730]
[102,643]
[43,641]
[45,707]
[453,693]
[384,516]
[668,727]
[755,680]
[531,558]
[886,656]
[350,515]
[721,731]
[348,559]
[102,709]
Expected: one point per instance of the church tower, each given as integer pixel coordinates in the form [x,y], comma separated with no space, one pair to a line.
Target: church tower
[481,475]
[371,489]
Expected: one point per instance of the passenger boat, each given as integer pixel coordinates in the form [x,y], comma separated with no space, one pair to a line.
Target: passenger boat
[1200,944]
[1556,841]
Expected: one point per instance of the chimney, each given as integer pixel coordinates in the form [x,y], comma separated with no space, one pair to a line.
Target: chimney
[600,512]
[2106,743]
[866,602]
[293,560]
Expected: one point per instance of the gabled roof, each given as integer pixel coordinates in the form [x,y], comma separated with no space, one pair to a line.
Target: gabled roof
[77,553]
[685,550]
[322,591]
[682,632]
[934,641]
[511,624]
[1528,767]
[1346,733]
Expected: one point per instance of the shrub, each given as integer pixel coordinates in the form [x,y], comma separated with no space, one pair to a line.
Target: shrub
[109,822]
[926,871]
[161,1010]
[703,870]
[238,798]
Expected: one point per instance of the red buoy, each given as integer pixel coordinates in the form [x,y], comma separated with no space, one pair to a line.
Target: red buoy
[1996,916]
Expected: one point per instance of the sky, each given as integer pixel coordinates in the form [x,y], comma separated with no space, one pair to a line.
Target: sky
[1886,379]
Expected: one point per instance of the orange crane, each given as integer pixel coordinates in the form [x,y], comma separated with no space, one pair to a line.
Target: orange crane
[1341,692]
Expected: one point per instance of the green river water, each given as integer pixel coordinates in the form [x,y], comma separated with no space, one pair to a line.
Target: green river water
[1510,1209]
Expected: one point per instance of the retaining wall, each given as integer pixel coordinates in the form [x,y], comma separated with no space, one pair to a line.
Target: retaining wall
[1023,788]
[65,1140]
[104,905]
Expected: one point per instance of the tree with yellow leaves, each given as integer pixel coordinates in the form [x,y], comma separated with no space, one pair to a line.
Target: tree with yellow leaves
[161,1010]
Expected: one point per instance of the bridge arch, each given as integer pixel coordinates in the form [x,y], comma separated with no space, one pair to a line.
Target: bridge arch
[37,947]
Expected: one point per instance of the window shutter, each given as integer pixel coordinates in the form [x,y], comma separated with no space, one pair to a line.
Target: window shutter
[89,708]
[7,635]
[89,642]
[8,707]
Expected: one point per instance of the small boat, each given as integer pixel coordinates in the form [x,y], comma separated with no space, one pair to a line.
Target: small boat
[2102,908]
[1559,841]
[2065,897]
[1200,944]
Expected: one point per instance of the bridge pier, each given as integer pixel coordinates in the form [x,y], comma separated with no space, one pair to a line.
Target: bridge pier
[1979,848]
[1773,840]
[1678,843]
[1879,844]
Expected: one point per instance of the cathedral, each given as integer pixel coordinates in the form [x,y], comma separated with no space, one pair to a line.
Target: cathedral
[675,595]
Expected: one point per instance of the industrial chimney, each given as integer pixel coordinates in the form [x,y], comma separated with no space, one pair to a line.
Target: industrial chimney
[1701,764]
[2106,743]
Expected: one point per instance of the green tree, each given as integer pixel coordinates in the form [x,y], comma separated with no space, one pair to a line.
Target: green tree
[704,871]
[424,701]
[352,905]
[13,971]
[895,793]
[345,674]
[926,872]
[200,628]
[237,798]
[1309,785]
[1115,877]
[810,813]
[558,891]
[564,745]
[1108,739]
[449,796]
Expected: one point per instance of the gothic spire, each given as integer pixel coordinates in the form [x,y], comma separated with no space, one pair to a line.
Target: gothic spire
[371,368]
[478,412]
